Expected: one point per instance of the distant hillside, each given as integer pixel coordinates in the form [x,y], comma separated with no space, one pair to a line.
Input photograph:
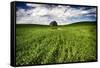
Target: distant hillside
[84,23]
[31,25]
[73,24]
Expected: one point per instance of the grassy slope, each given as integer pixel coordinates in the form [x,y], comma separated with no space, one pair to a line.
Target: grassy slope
[44,45]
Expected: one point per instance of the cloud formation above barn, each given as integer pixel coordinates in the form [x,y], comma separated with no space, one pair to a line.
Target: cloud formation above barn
[28,13]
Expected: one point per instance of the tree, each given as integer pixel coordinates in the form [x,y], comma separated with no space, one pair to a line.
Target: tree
[53,23]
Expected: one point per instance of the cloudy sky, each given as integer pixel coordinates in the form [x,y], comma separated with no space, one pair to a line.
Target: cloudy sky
[29,13]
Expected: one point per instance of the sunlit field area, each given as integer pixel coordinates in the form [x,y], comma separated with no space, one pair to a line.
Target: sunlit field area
[44,44]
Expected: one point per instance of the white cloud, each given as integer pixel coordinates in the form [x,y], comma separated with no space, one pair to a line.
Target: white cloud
[41,14]
[40,11]
[34,5]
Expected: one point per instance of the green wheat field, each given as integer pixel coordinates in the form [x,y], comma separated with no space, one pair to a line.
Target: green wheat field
[42,44]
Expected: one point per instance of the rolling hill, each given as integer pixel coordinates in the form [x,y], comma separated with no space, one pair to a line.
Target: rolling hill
[41,44]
